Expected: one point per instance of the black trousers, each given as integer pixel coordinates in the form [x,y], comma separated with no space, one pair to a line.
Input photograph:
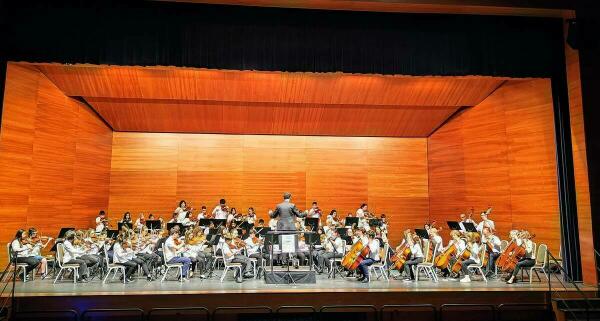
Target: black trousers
[31,262]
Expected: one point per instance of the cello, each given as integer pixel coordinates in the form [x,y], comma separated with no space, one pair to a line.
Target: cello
[515,253]
[400,257]
[357,253]
[443,260]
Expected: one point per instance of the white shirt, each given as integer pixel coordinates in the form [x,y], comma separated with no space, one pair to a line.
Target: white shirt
[360,213]
[19,249]
[488,223]
[416,251]
[180,213]
[251,248]
[99,225]
[71,252]
[495,242]
[338,244]
[475,252]
[251,218]
[228,253]
[273,224]
[219,213]
[171,250]
[374,248]
[138,224]
[121,255]
[528,245]
[200,216]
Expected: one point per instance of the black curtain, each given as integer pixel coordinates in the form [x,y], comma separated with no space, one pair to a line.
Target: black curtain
[248,38]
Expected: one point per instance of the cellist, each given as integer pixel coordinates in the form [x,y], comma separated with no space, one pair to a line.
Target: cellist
[460,246]
[524,240]
[374,246]
[492,242]
[417,256]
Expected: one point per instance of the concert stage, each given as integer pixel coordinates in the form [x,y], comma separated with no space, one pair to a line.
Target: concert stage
[211,294]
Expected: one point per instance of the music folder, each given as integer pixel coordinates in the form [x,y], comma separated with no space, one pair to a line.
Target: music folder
[422,233]
[453,225]
[153,224]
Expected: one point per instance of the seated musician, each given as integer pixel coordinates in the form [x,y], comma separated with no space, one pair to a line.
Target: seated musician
[187,221]
[233,254]
[20,251]
[139,222]
[473,244]
[199,250]
[334,248]
[464,219]
[374,247]
[174,218]
[493,243]
[202,214]
[253,244]
[36,245]
[460,245]
[435,239]
[416,257]
[144,251]
[261,223]
[71,256]
[524,240]
[126,218]
[101,222]
[123,255]
[174,249]
[273,221]
[181,210]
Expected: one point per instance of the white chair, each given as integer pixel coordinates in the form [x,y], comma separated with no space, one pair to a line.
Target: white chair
[336,260]
[479,266]
[427,265]
[169,266]
[231,266]
[541,263]
[217,258]
[112,267]
[380,266]
[60,251]
[20,266]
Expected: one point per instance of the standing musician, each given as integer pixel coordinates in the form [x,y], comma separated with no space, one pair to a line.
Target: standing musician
[202,214]
[174,249]
[361,212]
[101,222]
[251,217]
[220,211]
[182,210]
[233,254]
[374,246]
[492,242]
[465,219]
[334,248]
[485,221]
[126,218]
[524,240]
[315,211]
[474,244]
[414,241]
[20,252]
[140,222]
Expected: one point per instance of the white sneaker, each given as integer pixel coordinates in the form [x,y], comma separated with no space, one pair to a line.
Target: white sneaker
[465,279]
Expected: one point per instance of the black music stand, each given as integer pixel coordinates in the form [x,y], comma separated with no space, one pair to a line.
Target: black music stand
[375,222]
[153,224]
[351,221]
[112,234]
[262,231]
[470,227]
[422,233]
[453,225]
[181,227]
[313,222]
[61,235]
[120,225]
[219,222]
[204,222]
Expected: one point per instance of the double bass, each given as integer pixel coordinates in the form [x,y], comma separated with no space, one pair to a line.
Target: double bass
[357,253]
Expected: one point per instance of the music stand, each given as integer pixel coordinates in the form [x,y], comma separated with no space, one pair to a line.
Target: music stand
[342,231]
[422,233]
[120,225]
[61,235]
[313,222]
[181,227]
[153,225]
[350,221]
[112,234]
[375,222]
[246,225]
[470,227]
[219,222]
[204,222]
[262,231]
[453,225]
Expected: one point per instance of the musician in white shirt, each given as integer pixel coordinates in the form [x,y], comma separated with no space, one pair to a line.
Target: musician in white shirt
[182,210]
[416,257]
[492,242]
[253,245]
[173,250]
[474,244]
[251,218]
[334,248]
[486,222]
[464,219]
[124,255]
[71,255]
[374,246]
[220,211]
[235,256]
[360,213]
[202,214]
[20,251]
[524,240]
[100,219]
[273,222]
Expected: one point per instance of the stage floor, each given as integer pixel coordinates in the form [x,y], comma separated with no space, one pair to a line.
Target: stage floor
[324,284]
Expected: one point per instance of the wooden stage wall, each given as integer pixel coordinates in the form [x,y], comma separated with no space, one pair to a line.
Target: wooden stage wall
[152,172]
[501,153]
[54,157]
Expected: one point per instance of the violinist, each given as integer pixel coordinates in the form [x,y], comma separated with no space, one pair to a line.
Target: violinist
[20,251]
[182,210]
[334,248]
[374,246]
[101,222]
[202,214]
[174,218]
[220,211]
[416,250]
[361,212]
[36,244]
[187,220]
[523,240]
[315,211]
[486,222]
[251,217]
[332,218]
[72,255]
[474,244]
[232,216]
[126,218]
[261,223]
[140,222]
[253,244]
[233,254]
[492,242]
[174,249]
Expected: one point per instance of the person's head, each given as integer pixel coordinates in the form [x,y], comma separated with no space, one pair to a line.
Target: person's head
[427,226]
[252,233]
[174,231]
[151,216]
[203,209]
[261,221]
[484,216]
[101,213]
[416,238]
[233,211]
[222,202]
[349,214]
[32,232]
[371,234]
[182,204]
[363,206]
[251,210]
[360,232]
[314,205]
[486,231]
[336,233]
[20,234]
[455,234]
[287,196]
[70,235]
[333,213]
[463,216]
[127,216]
[475,238]
[175,214]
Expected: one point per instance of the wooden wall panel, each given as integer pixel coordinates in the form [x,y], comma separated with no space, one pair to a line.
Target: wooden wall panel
[54,157]
[586,241]
[339,172]
[500,153]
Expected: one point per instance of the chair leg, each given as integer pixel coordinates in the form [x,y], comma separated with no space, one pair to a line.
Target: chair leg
[164,275]
[482,274]
[58,275]
[224,273]
[106,276]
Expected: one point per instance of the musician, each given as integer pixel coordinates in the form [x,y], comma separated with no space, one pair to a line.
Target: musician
[361,212]
[253,244]
[20,251]
[459,243]
[174,218]
[473,245]
[181,210]
[144,252]
[126,218]
[435,239]
[36,244]
[332,218]
[173,252]
[273,221]
[220,211]
[347,216]
[202,214]
[334,248]
[486,222]
[493,243]
[232,215]
[232,254]
[261,223]
[71,256]
[187,221]
[464,219]
[374,246]
[123,255]
[416,257]
[140,222]
[314,211]
[251,218]
[101,222]
[524,240]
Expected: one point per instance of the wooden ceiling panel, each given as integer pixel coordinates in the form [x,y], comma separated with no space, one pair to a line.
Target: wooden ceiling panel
[169,99]
[284,119]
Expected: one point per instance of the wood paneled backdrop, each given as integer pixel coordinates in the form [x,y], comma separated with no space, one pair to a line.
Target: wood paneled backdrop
[152,172]
[54,157]
[501,153]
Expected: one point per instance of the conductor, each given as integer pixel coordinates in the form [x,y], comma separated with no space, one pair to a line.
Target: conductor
[287,211]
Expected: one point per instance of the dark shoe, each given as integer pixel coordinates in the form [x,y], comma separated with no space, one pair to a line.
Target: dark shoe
[360,279]
[248,276]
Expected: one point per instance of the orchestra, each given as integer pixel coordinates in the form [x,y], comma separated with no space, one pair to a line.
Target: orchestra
[195,240]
